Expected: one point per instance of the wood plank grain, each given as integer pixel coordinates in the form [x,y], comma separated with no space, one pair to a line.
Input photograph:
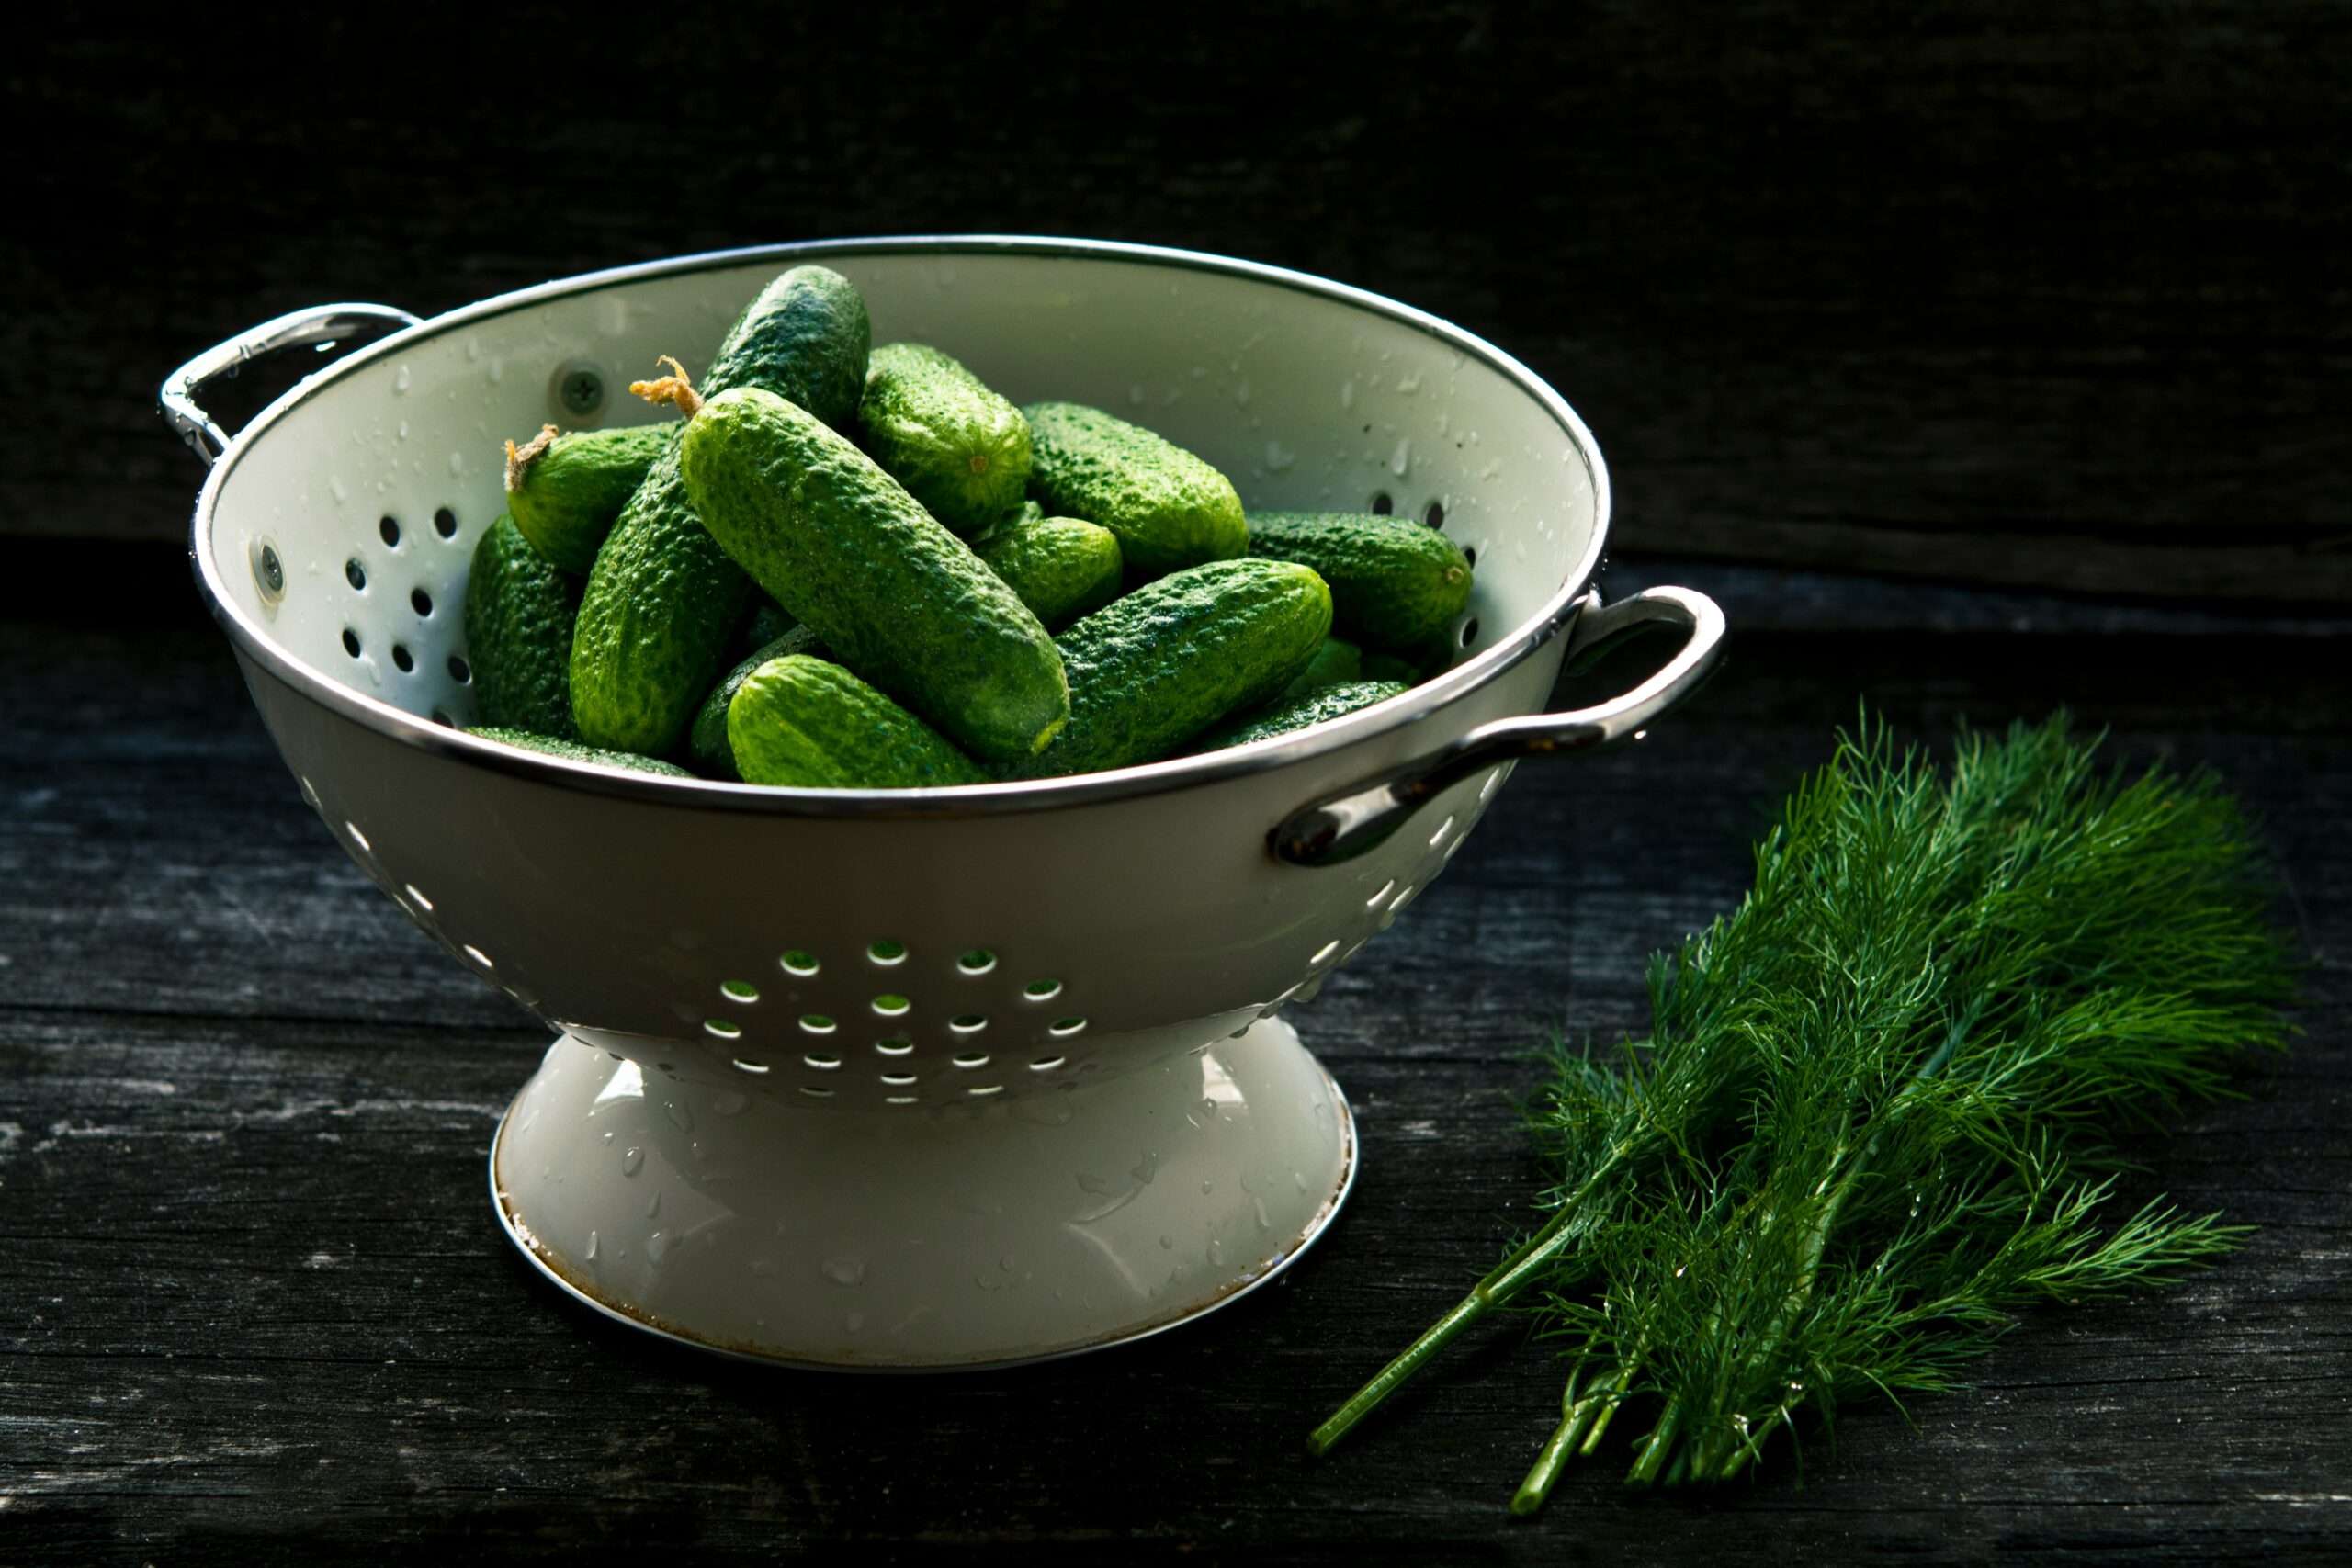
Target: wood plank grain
[254,1304]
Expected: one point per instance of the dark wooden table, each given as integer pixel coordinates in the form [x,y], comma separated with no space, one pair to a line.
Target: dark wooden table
[254,1306]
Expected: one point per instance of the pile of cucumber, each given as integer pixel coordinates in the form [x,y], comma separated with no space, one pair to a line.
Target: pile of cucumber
[858,568]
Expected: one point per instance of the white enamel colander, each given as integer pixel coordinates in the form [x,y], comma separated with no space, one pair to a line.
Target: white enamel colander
[942,1077]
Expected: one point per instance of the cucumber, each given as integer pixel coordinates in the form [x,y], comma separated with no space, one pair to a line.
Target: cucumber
[1394,583]
[1412,666]
[1329,702]
[573,750]
[563,492]
[804,722]
[956,446]
[519,612]
[706,747]
[1059,567]
[1336,663]
[1169,509]
[664,599]
[1150,670]
[897,598]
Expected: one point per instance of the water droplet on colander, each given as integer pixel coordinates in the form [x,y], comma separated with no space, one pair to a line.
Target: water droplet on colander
[1167,1242]
[1408,385]
[1298,1180]
[1147,1168]
[458,463]
[632,1161]
[653,1205]
[592,1246]
[847,1271]
[1347,394]
[1263,1223]
[762,1267]
[1135,393]
[1216,1250]
[1242,394]
[1401,460]
[1089,1182]
[681,1115]
[400,379]
[497,371]
[655,1245]
[1208,1108]
[989,1282]
[731,1104]
[1279,456]
[1005,1263]
[853,1321]
[1207,1188]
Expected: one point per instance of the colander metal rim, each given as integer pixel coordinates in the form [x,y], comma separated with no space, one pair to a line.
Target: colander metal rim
[957,801]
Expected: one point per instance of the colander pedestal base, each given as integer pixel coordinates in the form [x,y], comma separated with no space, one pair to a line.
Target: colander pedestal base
[968,1235]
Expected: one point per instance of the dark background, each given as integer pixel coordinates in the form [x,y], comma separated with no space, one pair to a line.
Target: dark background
[2044,293]
[1978,358]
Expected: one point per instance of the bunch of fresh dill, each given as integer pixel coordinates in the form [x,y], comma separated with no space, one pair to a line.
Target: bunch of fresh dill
[1871,1116]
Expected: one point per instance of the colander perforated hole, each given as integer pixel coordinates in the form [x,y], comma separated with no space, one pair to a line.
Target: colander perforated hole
[1063,1027]
[891,1005]
[357,836]
[421,602]
[814,1092]
[738,990]
[444,522]
[1487,790]
[1324,952]
[968,1024]
[897,1080]
[756,1069]
[422,901]
[356,575]
[1434,515]
[798,962]
[979,961]
[1443,828]
[1469,631]
[1386,888]
[460,670]
[899,1100]
[822,1061]
[1398,902]
[479,957]
[351,642]
[1383,503]
[402,657]
[817,1023]
[390,528]
[888,953]
[895,1045]
[443,718]
[723,1028]
[981,1089]
[1042,990]
[971,1059]
[1047,1064]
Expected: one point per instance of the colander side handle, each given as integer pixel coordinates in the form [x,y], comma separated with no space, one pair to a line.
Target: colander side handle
[1343,825]
[322,325]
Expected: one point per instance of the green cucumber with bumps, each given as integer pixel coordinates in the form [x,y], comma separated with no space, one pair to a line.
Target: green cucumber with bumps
[1285,717]
[895,597]
[1150,670]
[663,598]
[936,428]
[1169,509]
[707,747]
[1061,567]
[1336,663]
[519,614]
[811,724]
[565,490]
[1395,584]
[572,751]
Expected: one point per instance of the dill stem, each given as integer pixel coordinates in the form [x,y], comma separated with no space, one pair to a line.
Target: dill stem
[1507,1279]
[1656,1446]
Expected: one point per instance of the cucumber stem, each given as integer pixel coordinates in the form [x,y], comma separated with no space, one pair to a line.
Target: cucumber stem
[518,462]
[677,388]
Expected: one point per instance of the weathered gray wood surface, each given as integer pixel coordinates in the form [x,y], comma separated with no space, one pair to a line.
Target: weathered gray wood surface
[254,1306]
[2019,292]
